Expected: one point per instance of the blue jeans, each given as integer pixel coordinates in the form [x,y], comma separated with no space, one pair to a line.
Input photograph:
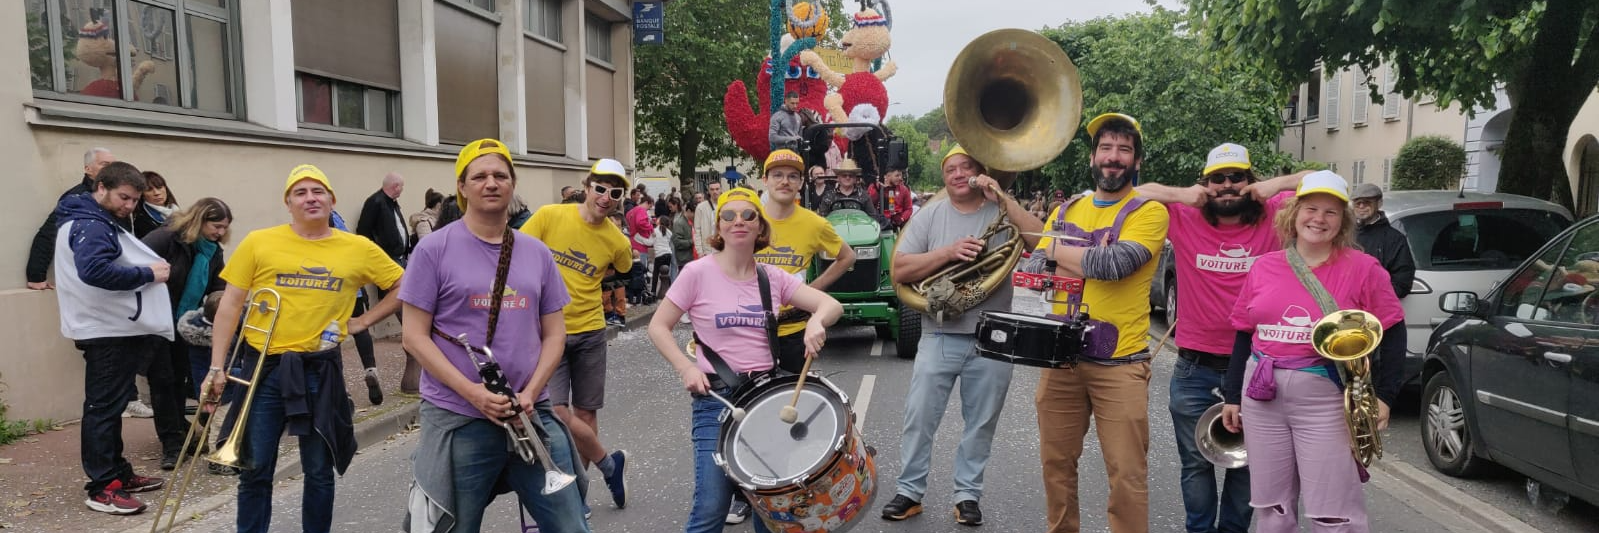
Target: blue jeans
[109,365]
[1191,386]
[712,488]
[944,359]
[480,454]
[265,427]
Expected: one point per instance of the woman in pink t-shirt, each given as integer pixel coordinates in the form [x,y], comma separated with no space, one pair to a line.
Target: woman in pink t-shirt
[722,299]
[1293,418]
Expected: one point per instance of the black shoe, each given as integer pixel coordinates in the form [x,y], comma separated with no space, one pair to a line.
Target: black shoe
[169,461]
[374,390]
[968,514]
[901,507]
[737,513]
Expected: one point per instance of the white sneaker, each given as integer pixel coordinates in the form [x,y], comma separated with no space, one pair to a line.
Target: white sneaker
[137,409]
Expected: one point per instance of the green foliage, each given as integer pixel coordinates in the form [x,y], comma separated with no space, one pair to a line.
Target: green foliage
[1309,165]
[922,173]
[1151,66]
[11,430]
[678,112]
[1428,163]
[933,125]
[1544,53]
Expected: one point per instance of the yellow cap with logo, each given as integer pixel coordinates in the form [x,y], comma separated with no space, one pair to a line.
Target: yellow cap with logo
[308,172]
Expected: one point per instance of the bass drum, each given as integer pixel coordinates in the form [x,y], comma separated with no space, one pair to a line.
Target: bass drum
[811,476]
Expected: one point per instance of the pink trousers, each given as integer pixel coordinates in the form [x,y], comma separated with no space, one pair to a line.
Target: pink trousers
[1299,456]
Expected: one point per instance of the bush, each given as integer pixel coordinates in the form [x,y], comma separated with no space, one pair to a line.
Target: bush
[1430,162]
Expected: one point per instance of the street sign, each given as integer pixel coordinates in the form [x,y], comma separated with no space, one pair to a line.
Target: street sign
[649,22]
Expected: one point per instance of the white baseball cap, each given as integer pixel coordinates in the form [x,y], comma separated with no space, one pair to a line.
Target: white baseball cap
[1228,155]
[1324,181]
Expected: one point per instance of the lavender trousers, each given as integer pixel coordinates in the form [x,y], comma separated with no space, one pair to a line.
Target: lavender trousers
[1299,455]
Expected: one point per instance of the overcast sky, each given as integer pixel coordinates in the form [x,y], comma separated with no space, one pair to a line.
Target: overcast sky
[929,33]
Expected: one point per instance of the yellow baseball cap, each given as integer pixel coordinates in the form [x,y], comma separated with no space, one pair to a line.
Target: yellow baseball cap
[740,193]
[308,172]
[1323,181]
[783,158]
[611,167]
[1099,121]
[471,151]
[957,150]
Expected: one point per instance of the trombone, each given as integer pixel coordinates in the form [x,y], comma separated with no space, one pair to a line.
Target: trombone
[264,302]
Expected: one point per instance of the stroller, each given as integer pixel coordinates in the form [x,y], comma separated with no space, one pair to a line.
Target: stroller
[638,286]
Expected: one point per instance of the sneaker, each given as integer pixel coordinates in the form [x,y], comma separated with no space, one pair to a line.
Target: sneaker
[220,470]
[617,480]
[968,514]
[169,461]
[901,507]
[374,390]
[138,409]
[138,483]
[738,512]
[113,500]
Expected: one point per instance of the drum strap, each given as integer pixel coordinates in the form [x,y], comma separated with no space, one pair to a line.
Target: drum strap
[734,379]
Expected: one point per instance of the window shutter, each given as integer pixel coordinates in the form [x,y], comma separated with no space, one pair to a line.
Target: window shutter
[1360,102]
[1390,101]
[1331,94]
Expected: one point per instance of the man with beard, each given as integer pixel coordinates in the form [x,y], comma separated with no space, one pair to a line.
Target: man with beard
[1120,232]
[1217,230]
[1381,240]
[943,235]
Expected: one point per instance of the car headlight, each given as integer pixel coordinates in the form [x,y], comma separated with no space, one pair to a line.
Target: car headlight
[866,252]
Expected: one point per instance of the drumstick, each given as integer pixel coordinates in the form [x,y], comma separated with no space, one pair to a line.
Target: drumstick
[789,413]
[1162,344]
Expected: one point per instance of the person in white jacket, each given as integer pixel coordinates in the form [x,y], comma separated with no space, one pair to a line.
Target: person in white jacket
[705,219]
[112,293]
[663,266]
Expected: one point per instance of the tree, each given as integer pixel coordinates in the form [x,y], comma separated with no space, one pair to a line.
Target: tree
[1429,162]
[1545,53]
[922,173]
[678,112]
[1152,67]
[933,125]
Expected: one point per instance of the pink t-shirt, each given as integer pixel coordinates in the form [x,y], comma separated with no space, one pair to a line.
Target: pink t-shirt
[1278,309]
[727,314]
[1211,263]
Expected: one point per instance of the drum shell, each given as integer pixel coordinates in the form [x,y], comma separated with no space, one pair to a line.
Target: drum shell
[1002,337]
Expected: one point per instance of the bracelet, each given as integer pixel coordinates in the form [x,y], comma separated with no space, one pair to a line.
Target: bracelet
[216,369]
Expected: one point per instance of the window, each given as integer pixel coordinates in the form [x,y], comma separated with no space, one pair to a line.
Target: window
[467,58]
[597,34]
[1331,118]
[1293,106]
[1478,239]
[543,18]
[1313,96]
[1358,171]
[486,5]
[327,44]
[177,54]
[1526,289]
[1390,99]
[1387,170]
[345,105]
[1360,101]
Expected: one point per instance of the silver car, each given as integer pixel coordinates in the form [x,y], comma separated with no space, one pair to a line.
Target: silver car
[1463,241]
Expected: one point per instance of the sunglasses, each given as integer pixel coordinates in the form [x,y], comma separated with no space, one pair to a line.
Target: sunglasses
[1230,177]
[748,215]
[614,192]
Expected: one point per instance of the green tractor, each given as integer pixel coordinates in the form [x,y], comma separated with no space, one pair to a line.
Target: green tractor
[866,290]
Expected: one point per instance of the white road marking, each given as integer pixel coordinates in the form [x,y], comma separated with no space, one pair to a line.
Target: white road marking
[863,400]
[877,348]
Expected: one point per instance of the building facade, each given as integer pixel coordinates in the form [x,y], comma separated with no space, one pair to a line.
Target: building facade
[223,97]
[1334,120]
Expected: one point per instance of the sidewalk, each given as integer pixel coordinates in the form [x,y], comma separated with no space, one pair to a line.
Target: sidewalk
[41,477]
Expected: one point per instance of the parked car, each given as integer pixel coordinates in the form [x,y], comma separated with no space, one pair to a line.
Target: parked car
[1513,376]
[1163,292]
[1463,241]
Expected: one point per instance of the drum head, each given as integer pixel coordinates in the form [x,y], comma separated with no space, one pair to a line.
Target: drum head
[761,450]
[1020,319]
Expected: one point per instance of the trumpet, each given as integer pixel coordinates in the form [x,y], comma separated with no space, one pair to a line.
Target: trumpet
[265,302]
[527,438]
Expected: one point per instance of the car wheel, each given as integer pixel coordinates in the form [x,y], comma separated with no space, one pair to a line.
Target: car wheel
[1446,432]
[1171,301]
[910,333]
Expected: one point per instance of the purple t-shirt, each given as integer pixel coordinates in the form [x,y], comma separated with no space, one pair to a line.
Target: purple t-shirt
[727,314]
[451,275]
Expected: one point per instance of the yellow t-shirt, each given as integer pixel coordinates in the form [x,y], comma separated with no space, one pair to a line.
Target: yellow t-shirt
[795,242]
[583,252]
[317,281]
[1123,302]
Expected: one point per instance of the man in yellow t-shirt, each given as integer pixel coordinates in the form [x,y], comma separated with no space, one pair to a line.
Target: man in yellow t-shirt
[798,234]
[585,243]
[1122,232]
[316,272]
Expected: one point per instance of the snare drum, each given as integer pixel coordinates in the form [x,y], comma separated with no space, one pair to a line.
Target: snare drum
[1028,340]
[819,479]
